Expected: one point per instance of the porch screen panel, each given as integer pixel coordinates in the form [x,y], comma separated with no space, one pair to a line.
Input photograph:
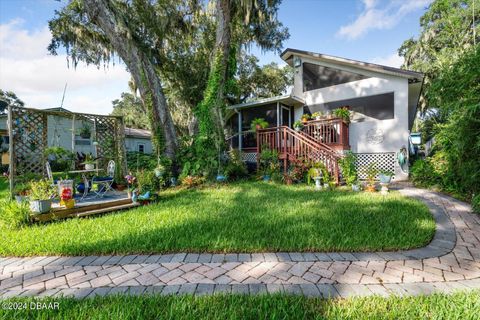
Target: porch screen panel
[380,107]
[267,112]
[317,77]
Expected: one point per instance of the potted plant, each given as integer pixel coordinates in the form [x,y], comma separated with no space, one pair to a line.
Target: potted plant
[159,170]
[385,176]
[298,125]
[89,162]
[85,132]
[371,172]
[317,115]
[21,192]
[258,123]
[343,113]
[41,194]
[305,117]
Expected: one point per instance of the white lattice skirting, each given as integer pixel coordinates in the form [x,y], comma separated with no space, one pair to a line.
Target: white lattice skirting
[384,161]
[249,156]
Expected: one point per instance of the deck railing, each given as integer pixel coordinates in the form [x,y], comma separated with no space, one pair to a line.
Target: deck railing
[297,146]
[333,132]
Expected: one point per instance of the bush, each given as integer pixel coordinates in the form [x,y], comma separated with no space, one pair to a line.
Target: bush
[347,166]
[147,181]
[476,203]
[193,181]
[235,168]
[60,159]
[141,161]
[14,215]
[422,173]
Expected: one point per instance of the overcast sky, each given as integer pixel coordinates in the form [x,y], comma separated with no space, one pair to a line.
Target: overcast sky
[368,30]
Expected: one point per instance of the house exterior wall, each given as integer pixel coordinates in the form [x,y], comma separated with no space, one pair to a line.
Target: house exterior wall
[394,132]
[131,144]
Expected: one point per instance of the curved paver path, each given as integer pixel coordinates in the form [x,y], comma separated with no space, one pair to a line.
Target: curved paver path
[451,261]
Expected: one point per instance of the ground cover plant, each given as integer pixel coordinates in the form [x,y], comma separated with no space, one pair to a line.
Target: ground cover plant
[239,217]
[460,305]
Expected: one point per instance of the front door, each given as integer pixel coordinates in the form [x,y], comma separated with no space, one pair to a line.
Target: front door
[286,117]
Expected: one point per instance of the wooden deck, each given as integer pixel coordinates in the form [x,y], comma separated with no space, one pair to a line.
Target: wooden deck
[89,206]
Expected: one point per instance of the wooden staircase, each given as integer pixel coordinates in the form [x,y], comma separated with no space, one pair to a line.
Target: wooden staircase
[296,146]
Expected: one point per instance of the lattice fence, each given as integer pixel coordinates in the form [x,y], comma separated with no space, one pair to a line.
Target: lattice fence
[384,161]
[28,130]
[29,140]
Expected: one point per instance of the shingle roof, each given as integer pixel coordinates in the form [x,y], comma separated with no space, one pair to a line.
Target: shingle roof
[138,133]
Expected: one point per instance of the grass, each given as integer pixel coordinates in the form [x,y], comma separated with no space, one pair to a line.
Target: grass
[242,217]
[460,305]
[3,188]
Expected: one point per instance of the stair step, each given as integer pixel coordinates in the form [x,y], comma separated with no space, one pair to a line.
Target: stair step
[103,210]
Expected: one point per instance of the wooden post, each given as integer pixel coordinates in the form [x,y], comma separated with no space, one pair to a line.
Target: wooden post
[284,143]
[258,149]
[240,137]
[11,165]
[73,141]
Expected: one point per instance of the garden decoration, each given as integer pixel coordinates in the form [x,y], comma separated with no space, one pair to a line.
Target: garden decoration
[402,157]
[385,177]
[130,182]
[65,190]
[89,162]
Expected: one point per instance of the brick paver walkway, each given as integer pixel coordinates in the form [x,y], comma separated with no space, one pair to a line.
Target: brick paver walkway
[451,261]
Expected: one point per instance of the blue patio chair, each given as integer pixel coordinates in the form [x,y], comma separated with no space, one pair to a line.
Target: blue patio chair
[104,184]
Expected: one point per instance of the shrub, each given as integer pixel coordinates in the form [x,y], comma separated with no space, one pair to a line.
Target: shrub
[141,161]
[423,173]
[235,168]
[147,181]
[60,159]
[193,181]
[347,166]
[14,215]
[269,163]
[42,190]
[476,203]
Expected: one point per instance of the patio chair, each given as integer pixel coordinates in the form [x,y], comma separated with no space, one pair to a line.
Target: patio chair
[50,174]
[104,184]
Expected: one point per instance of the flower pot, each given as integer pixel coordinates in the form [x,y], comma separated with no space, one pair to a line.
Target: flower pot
[221,178]
[158,173]
[370,189]
[20,198]
[121,187]
[304,120]
[318,118]
[129,194]
[355,187]
[89,166]
[384,178]
[40,206]
[266,178]
[258,127]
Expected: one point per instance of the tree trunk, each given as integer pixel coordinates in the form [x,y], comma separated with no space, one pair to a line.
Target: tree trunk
[222,47]
[140,66]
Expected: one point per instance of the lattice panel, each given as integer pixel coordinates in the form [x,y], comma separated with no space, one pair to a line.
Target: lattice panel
[29,131]
[384,161]
[249,156]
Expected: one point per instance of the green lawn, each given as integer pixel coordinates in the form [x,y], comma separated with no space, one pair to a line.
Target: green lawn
[460,305]
[3,187]
[242,217]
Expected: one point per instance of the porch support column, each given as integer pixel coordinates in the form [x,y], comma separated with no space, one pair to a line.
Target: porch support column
[240,137]
[278,125]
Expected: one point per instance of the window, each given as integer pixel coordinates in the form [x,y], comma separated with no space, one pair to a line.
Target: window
[317,77]
[141,147]
[380,106]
